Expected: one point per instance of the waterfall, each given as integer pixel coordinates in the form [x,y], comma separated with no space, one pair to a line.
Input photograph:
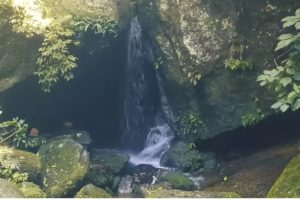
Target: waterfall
[146,133]
[142,99]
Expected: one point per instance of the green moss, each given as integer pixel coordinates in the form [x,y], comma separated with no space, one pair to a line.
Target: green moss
[26,162]
[91,191]
[178,180]
[163,192]
[64,163]
[288,184]
[31,190]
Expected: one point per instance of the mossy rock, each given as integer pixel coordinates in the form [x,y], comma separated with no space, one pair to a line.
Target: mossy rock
[178,180]
[26,162]
[288,184]
[64,163]
[163,192]
[31,190]
[91,191]
[105,164]
[9,190]
[182,157]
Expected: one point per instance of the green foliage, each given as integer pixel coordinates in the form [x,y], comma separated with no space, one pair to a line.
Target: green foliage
[190,123]
[14,133]
[284,80]
[56,62]
[233,64]
[101,26]
[252,118]
[11,172]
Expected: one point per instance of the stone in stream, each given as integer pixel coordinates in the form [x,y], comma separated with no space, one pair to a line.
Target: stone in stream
[145,174]
[105,165]
[91,191]
[181,156]
[31,190]
[287,185]
[9,190]
[64,163]
[177,180]
[126,185]
[161,191]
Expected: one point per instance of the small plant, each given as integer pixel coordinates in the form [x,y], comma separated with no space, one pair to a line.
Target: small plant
[284,80]
[11,172]
[239,64]
[252,118]
[190,123]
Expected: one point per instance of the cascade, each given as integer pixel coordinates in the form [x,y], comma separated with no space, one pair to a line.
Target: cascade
[145,135]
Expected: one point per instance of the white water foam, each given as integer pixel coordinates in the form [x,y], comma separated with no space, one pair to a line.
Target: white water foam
[157,144]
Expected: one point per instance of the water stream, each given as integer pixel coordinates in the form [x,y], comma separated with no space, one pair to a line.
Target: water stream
[146,135]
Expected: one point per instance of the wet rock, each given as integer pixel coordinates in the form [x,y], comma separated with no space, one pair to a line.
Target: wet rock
[126,185]
[181,156]
[287,185]
[105,164]
[24,161]
[91,191]
[31,190]
[80,136]
[145,174]
[177,180]
[9,190]
[161,191]
[194,38]
[209,160]
[64,163]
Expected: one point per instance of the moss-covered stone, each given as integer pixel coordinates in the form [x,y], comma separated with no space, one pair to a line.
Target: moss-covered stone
[105,164]
[178,180]
[91,191]
[163,192]
[181,156]
[64,163]
[31,190]
[26,162]
[288,184]
[9,190]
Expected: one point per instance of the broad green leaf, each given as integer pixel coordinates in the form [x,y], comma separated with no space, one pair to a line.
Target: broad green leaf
[284,107]
[290,71]
[297,25]
[285,36]
[297,76]
[277,105]
[285,81]
[296,105]
[297,13]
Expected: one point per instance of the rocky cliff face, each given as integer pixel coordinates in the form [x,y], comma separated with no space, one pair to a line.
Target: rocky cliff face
[192,39]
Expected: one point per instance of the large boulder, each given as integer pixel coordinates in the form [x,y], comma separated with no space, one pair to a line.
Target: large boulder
[31,190]
[287,185]
[181,156]
[91,191]
[163,192]
[195,37]
[24,161]
[9,190]
[64,163]
[105,164]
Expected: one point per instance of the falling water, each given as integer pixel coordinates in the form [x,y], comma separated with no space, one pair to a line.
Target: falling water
[146,135]
[142,100]
[157,143]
